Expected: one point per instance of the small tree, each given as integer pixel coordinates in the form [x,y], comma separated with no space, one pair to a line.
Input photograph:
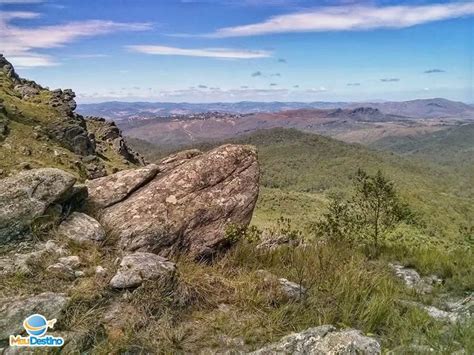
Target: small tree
[377,205]
[373,209]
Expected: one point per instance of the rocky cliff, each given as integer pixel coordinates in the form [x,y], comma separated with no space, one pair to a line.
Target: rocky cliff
[39,128]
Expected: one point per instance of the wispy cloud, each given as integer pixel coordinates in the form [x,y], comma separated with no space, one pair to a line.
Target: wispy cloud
[202,86]
[390,80]
[90,55]
[351,18]
[315,90]
[225,53]
[20,44]
[257,73]
[281,60]
[433,71]
[273,84]
[353,84]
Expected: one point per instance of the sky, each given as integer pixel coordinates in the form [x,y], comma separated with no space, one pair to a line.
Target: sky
[243,50]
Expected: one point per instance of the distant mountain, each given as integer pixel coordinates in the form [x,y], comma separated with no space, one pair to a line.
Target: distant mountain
[423,108]
[426,108]
[362,124]
[140,110]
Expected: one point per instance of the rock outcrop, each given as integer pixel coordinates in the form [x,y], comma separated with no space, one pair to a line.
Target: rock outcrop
[184,208]
[138,267]
[41,124]
[27,196]
[106,134]
[323,340]
[412,279]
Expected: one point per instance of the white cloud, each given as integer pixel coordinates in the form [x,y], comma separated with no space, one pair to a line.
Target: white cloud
[90,55]
[22,42]
[314,90]
[32,61]
[347,18]
[226,53]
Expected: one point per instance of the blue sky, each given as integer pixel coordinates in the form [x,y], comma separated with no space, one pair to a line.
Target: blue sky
[232,50]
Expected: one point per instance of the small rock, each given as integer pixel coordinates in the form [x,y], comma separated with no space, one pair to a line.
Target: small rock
[439,314]
[291,290]
[412,278]
[82,229]
[100,271]
[72,261]
[138,267]
[79,273]
[323,340]
[61,271]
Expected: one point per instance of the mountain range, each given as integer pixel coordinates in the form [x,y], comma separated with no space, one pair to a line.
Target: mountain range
[422,108]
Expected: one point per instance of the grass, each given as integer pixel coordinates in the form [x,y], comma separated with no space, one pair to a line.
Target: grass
[226,306]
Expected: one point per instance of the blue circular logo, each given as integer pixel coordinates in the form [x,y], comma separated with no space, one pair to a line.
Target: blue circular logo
[36,325]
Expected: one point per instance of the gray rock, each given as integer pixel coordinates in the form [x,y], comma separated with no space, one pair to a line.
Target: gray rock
[82,229]
[24,263]
[291,290]
[100,271]
[138,267]
[412,278]
[72,261]
[14,310]
[27,195]
[177,159]
[323,340]
[189,207]
[61,271]
[109,190]
[441,315]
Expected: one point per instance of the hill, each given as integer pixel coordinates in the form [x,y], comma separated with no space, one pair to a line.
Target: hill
[39,128]
[426,108]
[361,124]
[300,170]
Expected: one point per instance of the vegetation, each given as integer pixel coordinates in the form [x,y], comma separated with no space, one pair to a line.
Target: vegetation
[301,172]
[417,213]
[27,142]
[226,305]
[373,210]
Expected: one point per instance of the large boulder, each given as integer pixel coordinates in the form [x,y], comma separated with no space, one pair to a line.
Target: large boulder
[138,267]
[189,207]
[323,340]
[14,310]
[27,196]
